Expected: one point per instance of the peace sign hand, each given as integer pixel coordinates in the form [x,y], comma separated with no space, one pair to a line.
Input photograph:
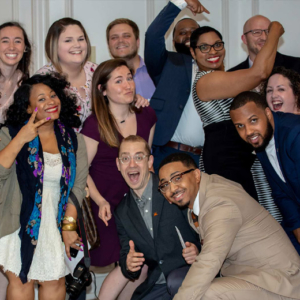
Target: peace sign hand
[29,131]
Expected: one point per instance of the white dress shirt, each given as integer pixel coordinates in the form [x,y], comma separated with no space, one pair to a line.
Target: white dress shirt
[271,153]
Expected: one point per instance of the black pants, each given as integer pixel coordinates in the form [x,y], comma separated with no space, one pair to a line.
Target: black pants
[168,290]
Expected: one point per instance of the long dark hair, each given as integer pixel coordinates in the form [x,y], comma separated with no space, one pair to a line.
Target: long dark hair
[17,112]
[24,63]
[108,127]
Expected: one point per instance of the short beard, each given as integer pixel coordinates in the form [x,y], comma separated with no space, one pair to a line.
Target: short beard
[267,138]
[128,56]
[182,48]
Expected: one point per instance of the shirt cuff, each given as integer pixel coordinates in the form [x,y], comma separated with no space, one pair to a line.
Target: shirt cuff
[181,4]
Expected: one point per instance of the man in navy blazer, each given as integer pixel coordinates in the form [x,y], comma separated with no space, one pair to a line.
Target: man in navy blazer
[254,36]
[178,127]
[276,140]
[146,227]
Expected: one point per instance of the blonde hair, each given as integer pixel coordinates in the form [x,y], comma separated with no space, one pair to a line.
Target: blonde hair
[51,43]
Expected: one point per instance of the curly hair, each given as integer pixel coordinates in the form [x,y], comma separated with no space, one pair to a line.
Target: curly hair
[17,112]
[294,81]
[24,63]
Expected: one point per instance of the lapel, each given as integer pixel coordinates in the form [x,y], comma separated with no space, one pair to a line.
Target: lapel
[137,221]
[263,157]
[188,66]
[158,201]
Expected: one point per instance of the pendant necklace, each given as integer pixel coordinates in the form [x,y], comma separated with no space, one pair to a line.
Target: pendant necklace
[123,121]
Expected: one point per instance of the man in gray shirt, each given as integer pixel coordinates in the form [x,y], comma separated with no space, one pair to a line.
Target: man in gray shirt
[146,227]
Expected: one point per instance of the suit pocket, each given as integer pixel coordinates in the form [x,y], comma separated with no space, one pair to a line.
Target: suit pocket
[157,104]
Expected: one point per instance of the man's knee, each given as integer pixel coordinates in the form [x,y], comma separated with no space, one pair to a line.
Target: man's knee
[175,279]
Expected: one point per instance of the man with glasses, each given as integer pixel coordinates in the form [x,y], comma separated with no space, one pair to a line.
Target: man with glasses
[146,227]
[254,37]
[256,258]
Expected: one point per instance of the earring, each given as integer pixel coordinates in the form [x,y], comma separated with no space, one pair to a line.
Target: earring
[25,50]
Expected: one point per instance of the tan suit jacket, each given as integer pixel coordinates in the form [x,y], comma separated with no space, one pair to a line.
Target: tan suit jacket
[243,240]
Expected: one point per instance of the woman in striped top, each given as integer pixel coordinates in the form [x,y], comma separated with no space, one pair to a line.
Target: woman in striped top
[224,152]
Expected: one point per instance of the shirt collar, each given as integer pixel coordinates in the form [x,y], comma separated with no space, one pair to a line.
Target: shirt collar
[142,63]
[196,206]
[250,62]
[147,194]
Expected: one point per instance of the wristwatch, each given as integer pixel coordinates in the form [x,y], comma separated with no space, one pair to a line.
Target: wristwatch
[69,219]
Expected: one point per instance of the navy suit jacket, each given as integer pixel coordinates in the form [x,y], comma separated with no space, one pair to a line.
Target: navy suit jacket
[287,142]
[281,60]
[171,73]
[163,253]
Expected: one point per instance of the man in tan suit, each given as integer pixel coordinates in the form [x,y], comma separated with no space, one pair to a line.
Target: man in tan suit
[256,258]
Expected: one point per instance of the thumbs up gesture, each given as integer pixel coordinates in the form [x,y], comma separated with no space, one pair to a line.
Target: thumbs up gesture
[134,259]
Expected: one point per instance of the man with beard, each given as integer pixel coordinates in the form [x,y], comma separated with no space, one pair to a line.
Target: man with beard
[123,42]
[178,127]
[254,36]
[146,227]
[240,237]
[275,138]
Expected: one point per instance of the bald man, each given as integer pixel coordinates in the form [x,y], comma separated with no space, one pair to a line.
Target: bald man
[254,36]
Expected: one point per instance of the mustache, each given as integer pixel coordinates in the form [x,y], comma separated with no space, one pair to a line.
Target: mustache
[252,135]
[176,192]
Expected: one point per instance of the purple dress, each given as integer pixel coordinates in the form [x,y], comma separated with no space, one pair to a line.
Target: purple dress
[110,184]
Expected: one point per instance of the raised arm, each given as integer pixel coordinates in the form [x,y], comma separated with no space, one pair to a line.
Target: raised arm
[155,48]
[221,85]
[27,133]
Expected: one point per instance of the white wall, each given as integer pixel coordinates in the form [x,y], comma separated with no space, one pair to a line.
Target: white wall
[228,16]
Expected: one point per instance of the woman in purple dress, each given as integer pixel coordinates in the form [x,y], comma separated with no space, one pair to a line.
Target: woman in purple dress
[114,117]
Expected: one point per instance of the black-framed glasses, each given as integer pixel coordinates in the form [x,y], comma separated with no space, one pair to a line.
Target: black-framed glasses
[138,158]
[165,186]
[258,32]
[205,48]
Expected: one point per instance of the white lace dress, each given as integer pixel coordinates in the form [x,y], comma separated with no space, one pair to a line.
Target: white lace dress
[48,259]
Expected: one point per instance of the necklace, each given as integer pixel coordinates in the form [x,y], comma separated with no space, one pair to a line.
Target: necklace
[123,121]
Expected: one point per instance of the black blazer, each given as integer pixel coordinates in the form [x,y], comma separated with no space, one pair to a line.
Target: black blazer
[171,73]
[281,60]
[163,253]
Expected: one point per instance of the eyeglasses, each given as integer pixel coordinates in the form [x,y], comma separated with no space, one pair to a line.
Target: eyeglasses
[164,187]
[258,32]
[138,158]
[205,48]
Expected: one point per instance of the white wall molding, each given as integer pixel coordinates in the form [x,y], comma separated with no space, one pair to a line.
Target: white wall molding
[69,11]
[225,27]
[40,26]
[15,10]
[150,12]
[255,7]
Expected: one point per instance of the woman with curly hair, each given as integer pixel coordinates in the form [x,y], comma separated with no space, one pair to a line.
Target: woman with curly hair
[42,160]
[15,54]
[282,90]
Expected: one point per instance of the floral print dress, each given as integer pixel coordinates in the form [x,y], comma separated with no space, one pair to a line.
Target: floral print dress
[84,104]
